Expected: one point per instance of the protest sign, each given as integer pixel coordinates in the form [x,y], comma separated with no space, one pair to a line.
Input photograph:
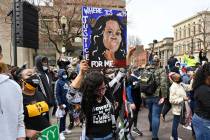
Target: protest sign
[104,37]
[50,133]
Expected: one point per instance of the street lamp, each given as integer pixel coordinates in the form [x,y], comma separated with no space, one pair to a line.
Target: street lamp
[63,21]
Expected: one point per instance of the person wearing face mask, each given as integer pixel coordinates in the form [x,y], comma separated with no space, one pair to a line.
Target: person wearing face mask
[155,100]
[35,105]
[61,89]
[45,86]
[176,97]
[97,107]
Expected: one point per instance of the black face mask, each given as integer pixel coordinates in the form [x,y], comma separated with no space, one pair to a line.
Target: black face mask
[33,80]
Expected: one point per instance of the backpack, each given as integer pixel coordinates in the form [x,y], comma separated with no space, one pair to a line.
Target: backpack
[147,83]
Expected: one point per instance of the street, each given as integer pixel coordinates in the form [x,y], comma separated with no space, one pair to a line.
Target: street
[164,131]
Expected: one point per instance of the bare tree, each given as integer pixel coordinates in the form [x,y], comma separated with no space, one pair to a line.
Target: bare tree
[5,22]
[54,30]
[134,40]
[202,27]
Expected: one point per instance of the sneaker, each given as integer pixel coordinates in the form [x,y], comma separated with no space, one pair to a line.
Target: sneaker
[187,127]
[67,131]
[136,131]
[61,136]
[171,138]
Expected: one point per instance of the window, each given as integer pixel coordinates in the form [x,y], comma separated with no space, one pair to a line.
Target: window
[184,32]
[176,35]
[193,28]
[184,48]
[189,30]
[180,33]
[199,26]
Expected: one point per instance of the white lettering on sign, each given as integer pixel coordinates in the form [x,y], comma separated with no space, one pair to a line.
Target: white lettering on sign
[92,10]
[104,63]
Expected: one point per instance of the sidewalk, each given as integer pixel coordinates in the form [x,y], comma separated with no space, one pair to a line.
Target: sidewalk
[143,124]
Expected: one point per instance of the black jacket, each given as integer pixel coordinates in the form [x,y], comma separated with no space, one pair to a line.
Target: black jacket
[46,79]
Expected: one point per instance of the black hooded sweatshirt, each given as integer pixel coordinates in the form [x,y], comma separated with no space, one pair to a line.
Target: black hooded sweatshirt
[46,79]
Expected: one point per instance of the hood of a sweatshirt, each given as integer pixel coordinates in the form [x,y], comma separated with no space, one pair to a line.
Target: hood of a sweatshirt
[61,72]
[3,78]
[38,62]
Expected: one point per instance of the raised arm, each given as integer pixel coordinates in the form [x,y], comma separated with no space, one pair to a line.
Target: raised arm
[83,68]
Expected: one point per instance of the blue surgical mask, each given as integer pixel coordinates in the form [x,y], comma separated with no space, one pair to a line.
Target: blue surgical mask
[65,76]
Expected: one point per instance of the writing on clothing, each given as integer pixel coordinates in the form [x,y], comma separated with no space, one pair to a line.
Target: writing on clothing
[102,114]
[37,109]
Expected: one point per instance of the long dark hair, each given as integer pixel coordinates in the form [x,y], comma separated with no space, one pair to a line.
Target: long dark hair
[201,75]
[97,46]
[91,83]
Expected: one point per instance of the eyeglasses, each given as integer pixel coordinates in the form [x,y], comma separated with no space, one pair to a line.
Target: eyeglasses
[101,89]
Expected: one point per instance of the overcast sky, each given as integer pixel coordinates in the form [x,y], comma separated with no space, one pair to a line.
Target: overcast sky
[153,19]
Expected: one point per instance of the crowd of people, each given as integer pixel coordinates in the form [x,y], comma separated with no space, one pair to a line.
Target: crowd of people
[105,102]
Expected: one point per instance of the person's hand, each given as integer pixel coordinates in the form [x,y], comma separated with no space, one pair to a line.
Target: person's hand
[109,55]
[31,133]
[61,107]
[186,98]
[161,101]
[116,104]
[83,66]
[133,107]
[20,138]
[131,50]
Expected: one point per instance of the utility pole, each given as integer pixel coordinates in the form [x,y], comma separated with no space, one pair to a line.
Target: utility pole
[14,44]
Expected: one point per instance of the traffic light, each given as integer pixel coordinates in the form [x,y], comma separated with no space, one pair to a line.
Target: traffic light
[27,25]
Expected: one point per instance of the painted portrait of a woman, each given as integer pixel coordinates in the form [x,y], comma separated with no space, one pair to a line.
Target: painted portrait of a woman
[108,43]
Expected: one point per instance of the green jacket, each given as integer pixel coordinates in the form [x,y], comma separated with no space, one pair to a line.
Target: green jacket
[162,83]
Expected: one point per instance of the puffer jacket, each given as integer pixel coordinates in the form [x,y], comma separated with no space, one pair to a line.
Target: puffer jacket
[177,94]
[61,88]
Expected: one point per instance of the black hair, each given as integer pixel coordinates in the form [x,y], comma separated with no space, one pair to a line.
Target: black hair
[97,45]
[91,83]
[201,75]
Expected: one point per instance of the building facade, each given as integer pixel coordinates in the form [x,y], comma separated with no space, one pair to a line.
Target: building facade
[191,35]
[163,48]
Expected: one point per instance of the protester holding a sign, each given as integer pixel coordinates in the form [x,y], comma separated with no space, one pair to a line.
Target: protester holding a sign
[97,107]
[35,106]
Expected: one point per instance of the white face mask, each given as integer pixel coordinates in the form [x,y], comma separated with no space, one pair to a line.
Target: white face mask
[65,76]
[44,68]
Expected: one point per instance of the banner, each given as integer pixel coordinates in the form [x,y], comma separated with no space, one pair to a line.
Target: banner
[104,37]
[50,133]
